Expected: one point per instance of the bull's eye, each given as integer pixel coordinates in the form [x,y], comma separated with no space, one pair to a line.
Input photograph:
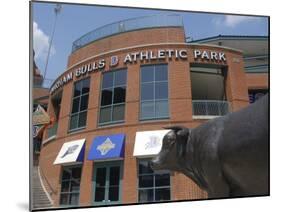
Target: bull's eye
[170,141]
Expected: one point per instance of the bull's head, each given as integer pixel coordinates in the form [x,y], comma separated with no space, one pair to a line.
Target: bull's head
[173,148]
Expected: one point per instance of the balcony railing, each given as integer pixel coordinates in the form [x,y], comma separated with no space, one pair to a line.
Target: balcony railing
[164,20]
[210,108]
[52,130]
[257,69]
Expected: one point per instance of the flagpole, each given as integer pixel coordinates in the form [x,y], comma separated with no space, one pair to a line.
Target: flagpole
[57,10]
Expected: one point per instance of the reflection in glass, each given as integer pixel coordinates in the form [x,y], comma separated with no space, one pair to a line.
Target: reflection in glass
[106,97]
[161,72]
[147,109]
[119,95]
[77,89]
[74,199]
[147,73]
[86,86]
[114,175]
[64,199]
[100,177]
[73,121]
[147,91]
[75,185]
[162,194]
[162,108]
[144,167]
[146,195]
[82,119]
[107,81]
[99,194]
[84,102]
[118,112]
[65,186]
[75,105]
[161,90]
[162,180]
[120,78]
[146,181]
[105,114]
[113,193]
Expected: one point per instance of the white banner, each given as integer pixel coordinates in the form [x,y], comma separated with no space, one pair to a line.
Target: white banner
[69,152]
[149,143]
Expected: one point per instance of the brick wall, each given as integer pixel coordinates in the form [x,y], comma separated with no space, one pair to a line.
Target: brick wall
[179,103]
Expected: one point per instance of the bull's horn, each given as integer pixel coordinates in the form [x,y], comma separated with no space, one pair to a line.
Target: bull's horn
[175,128]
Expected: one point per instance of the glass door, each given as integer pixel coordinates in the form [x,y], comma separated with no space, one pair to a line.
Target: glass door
[107,183]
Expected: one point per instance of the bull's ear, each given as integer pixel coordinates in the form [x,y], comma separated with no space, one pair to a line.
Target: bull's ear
[182,139]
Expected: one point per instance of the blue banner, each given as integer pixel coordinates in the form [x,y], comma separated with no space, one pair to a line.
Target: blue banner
[107,147]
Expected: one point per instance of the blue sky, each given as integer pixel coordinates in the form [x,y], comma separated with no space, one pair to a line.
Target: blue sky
[76,20]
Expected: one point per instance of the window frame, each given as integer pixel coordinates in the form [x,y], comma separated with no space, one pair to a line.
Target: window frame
[112,105]
[154,101]
[154,187]
[107,165]
[69,193]
[80,100]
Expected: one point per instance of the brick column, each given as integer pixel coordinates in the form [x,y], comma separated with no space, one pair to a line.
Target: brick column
[236,82]
[94,100]
[180,91]
[86,188]
[86,184]
[129,186]
[65,110]
[133,94]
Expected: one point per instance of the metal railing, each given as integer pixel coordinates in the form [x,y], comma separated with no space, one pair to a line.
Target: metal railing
[210,108]
[257,69]
[45,179]
[52,130]
[163,20]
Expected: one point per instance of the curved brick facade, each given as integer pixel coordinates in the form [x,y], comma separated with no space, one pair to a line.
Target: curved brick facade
[180,103]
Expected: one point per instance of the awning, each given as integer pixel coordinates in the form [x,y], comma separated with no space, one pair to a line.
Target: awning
[148,143]
[107,147]
[71,152]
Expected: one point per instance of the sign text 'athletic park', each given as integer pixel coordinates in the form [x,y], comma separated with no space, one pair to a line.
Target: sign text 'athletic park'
[138,56]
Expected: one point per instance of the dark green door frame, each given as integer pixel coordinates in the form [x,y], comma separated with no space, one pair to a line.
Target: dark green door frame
[107,165]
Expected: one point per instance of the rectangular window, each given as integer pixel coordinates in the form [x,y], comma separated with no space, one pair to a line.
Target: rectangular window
[56,103]
[153,186]
[154,92]
[70,186]
[113,97]
[78,116]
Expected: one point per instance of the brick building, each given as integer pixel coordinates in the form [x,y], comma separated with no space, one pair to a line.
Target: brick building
[124,82]
[40,96]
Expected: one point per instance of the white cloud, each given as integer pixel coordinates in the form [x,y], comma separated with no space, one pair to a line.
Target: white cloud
[41,43]
[233,20]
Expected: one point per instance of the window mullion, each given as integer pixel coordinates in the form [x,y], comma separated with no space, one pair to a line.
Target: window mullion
[112,99]
[154,88]
[154,186]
